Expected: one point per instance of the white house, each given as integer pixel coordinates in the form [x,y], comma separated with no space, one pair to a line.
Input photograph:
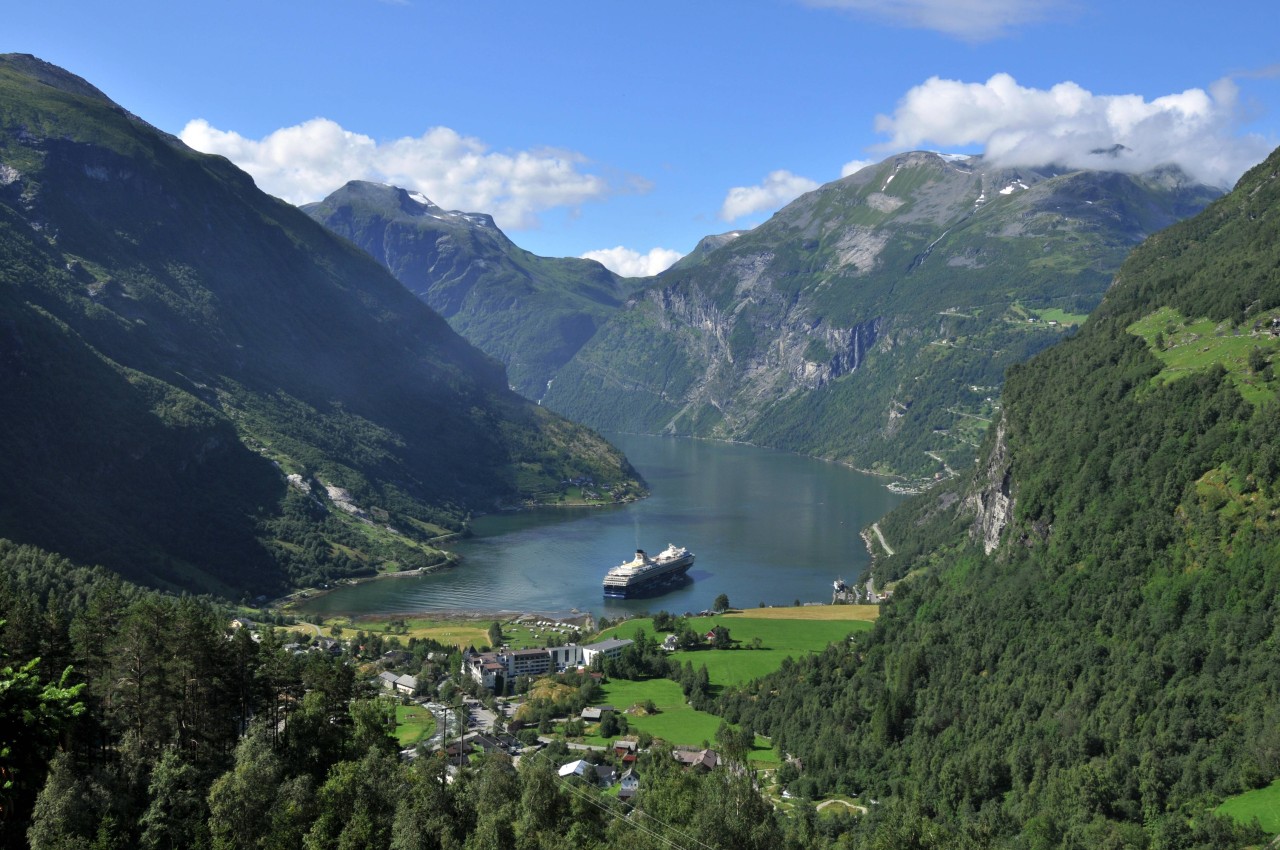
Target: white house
[630,784]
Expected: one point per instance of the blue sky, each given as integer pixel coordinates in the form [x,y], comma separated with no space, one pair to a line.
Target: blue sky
[629,131]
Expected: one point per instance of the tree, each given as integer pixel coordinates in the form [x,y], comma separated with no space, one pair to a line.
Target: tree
[240,799]
[178,811]
[721,603]
[1257,360]
[33,715]
[495,634]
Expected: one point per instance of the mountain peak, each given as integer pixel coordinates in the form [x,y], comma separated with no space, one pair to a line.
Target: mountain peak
[51,75]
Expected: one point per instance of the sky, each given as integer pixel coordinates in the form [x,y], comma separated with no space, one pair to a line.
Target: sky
[626,132]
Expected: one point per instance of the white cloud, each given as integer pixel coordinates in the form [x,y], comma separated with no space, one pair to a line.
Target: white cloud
[853,166]
[779,188]
[629,263]
[307,161]
[971,20]
[1067,125]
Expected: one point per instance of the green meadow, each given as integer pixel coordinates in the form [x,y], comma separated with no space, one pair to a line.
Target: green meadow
[779,633]
[1263,804]
[413,724]
[675,721]
[779,639]
[1193,346]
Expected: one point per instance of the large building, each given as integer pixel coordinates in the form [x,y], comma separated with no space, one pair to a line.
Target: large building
[611,648]
[493,669]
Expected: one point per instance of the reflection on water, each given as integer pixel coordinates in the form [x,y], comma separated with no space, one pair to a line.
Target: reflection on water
[766,526]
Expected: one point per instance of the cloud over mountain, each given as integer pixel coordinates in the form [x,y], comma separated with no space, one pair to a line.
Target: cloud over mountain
[307,161]
[779,188]
[1073,127]
[631,263]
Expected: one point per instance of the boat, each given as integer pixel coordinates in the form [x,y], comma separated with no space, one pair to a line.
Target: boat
[643,574]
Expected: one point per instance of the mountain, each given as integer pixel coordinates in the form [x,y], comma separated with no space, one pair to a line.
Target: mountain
[1081,649]
[532,313]
[706,245]
[871,320]
[204,388]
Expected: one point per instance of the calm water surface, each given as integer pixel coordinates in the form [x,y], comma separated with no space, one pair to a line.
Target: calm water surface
[766,526]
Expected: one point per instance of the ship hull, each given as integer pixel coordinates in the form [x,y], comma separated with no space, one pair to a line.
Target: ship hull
[652,582]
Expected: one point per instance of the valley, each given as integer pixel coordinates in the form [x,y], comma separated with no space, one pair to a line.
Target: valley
[212,398]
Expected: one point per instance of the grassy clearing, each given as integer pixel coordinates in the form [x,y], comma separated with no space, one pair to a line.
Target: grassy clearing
[448,632]
[676,721]
[829,613]
[1262,803]
[1193,346]
[413,724]
[527,634]
[779,638]
[1062,317]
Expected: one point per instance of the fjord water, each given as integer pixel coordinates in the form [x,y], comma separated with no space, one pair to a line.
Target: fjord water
[766,526]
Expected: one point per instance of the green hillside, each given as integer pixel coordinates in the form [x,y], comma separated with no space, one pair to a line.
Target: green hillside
[204,388]
[1103,676]
[872,320]
[532,313]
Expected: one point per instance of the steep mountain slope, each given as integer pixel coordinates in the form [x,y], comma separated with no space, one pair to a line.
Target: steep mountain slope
[871,320]
[532,313]
[173,343]
[1084,654]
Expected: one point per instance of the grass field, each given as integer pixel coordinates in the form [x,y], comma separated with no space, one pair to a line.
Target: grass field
[783,633]
[676,721]
[448,632]
[1193,346]
[413,724]
[830,613]
[1263,804]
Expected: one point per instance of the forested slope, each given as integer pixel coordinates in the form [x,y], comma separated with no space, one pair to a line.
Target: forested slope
[204,388]
[1106,674]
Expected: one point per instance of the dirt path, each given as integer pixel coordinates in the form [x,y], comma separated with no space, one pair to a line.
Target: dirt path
[862,810]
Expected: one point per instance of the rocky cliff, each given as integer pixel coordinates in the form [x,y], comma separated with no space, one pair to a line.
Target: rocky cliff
[871,321]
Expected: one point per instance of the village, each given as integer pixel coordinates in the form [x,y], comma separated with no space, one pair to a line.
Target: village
[540,687]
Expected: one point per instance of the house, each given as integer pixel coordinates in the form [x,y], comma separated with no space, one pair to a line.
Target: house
[670,643]
[605,775]
[387,680]
[243,623]
[596,713]
[690,757]
[407,684]
[576,768]
[630,784]
[625,749]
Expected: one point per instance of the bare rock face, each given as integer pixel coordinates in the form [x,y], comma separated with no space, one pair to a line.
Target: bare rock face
[908,288]
[992,500]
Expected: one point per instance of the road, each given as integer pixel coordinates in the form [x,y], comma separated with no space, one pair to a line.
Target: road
[875,526]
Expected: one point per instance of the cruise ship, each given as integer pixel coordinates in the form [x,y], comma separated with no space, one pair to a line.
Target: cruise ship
[643,574]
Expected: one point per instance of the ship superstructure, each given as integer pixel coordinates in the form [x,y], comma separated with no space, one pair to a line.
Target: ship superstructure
[643,573]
